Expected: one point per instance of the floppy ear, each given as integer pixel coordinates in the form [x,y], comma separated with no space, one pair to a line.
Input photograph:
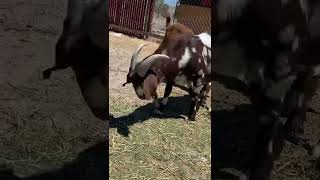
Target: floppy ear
[150,85]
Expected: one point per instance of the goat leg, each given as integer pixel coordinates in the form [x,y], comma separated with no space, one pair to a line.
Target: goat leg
[167,92]
[157,105]
[294,126]
[294,129]
[204,95]
[189,90]
[195,103]
[269,145]
[196,100]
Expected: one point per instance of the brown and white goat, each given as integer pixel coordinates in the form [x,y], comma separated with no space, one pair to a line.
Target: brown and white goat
[275,63]
[188,63]
[173,31]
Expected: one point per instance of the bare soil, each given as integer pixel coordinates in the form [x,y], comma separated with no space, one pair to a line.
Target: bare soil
[44,123]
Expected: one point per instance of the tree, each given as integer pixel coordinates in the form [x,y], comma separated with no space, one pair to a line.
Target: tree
[165,10]
[158,6]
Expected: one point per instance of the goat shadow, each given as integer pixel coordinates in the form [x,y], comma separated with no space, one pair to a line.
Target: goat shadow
[176,107]
[91,163]
[234,134]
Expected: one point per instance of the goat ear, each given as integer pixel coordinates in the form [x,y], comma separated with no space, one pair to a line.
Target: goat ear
[150,85]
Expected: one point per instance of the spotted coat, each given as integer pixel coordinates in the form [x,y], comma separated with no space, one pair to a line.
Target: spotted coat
[262,44]
[187,63]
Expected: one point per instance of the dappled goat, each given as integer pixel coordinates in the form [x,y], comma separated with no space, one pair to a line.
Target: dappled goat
[187,63]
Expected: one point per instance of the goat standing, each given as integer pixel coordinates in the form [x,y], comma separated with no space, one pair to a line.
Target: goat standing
[187,63]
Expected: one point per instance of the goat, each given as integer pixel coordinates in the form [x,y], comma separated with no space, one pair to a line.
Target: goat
[262,50]
[174,31]
[83,47]
[188,63]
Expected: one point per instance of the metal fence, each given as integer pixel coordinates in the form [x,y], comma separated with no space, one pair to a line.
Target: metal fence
[144,18]
[195,14]
[130,16]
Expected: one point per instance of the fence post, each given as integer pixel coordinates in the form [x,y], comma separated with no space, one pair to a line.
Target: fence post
[118,12]
[150,15]
[145,17]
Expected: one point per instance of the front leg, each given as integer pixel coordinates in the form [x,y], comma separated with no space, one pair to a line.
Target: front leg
[157,106]
[167,92]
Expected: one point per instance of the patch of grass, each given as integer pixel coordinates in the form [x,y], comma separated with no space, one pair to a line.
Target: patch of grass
[158,148]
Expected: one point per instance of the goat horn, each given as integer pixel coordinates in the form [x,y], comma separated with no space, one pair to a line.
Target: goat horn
[124,84]
[144,65]
[135,56]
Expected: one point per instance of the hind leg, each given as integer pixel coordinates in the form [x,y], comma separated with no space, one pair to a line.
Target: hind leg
[203,101]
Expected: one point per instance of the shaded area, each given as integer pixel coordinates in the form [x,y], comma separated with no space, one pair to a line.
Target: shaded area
[90,164]
[234,133]
[229,135]
[176,107]
[44,124]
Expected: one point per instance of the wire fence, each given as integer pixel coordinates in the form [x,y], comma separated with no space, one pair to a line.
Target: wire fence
[144,18]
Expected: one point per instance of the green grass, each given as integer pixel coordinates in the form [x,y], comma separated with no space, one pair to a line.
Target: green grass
[144,147]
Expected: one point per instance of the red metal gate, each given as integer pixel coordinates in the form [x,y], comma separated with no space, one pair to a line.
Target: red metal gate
[132,17]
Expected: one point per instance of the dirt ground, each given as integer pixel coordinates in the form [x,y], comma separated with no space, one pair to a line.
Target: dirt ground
[234,133]
[44,123]
[145,146]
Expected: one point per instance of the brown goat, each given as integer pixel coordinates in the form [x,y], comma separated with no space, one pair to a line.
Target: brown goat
[188,63]
[172,32]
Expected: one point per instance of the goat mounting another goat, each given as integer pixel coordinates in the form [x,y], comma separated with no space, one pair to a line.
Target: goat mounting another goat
[186,63]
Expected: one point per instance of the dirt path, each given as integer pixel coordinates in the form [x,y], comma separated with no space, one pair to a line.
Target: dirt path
[44,124]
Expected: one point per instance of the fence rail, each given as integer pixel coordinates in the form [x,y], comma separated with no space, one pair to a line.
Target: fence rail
[143,18]
[130,14]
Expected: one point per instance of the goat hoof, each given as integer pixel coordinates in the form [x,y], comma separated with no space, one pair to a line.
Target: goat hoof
[184,117]
[207,108]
